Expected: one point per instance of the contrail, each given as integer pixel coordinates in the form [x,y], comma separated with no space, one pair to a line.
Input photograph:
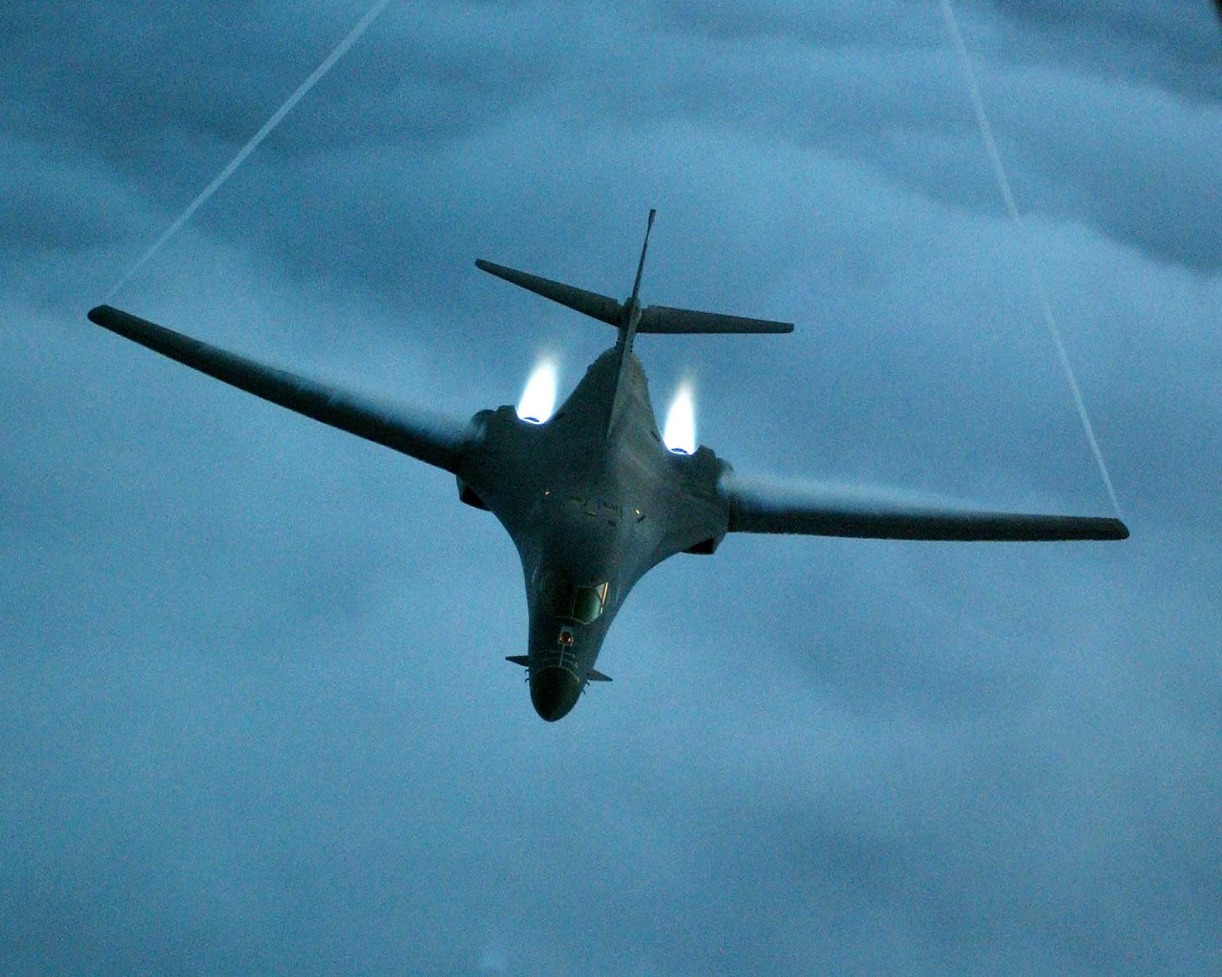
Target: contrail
[340,50]
[1003,182]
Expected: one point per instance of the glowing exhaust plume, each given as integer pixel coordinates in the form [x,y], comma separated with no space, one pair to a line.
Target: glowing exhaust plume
[680,431]
[539,398]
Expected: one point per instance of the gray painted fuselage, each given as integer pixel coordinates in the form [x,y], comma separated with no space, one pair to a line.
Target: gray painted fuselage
[589,503]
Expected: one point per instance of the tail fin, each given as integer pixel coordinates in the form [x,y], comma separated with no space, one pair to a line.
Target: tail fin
[632,310]
[628,316]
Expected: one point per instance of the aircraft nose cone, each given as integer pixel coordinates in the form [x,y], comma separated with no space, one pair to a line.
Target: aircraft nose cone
[554,692]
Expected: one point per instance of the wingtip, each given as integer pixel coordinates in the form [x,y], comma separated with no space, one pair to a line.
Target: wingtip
[1108,529]
[98,312]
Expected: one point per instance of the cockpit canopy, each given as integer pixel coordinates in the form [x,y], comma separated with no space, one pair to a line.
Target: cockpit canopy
[582,604]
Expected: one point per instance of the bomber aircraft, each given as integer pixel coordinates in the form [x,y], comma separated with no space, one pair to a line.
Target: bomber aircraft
[592,497]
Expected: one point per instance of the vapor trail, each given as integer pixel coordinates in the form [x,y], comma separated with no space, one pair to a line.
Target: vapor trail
[328,63]
[1003,182]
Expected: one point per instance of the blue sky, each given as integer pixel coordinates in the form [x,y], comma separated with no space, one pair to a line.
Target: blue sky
[255,714]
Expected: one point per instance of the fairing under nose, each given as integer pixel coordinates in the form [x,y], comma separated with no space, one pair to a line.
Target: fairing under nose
[553,692]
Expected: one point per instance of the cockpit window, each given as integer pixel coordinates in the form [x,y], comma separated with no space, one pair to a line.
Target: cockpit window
[581,604]
[588,603]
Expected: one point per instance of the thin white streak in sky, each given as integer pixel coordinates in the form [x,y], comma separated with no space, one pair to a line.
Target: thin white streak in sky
[340,50]
[1003,182]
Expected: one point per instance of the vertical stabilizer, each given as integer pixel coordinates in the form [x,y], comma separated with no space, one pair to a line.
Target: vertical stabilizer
[632,308]
[628,325]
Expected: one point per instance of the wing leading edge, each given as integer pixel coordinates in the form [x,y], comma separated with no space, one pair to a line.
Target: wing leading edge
[435,440]
[758,506]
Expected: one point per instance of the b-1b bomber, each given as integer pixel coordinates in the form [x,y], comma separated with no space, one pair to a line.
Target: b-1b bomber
[591,496]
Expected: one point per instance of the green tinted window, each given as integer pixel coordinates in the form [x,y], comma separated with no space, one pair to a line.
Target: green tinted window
[582,604]
[588,605]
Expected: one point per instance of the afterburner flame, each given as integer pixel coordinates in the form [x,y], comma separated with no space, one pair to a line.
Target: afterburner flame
[539,398]
[680,430]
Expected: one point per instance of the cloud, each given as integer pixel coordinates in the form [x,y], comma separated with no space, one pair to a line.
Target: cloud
[251,680]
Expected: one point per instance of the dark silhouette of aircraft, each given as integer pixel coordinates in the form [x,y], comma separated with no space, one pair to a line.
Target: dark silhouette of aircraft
[592,498]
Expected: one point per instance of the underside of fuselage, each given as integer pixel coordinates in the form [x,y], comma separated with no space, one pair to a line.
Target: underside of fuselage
[592,500]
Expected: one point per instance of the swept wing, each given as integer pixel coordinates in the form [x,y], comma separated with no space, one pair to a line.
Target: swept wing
[766,506]
[438,441]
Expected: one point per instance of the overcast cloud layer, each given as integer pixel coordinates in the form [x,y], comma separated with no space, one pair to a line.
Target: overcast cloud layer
[254,713]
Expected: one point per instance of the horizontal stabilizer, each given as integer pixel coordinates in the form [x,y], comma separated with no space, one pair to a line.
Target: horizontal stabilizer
[654,319]
[597,676]
[600,307]
[523,660]
[663,319]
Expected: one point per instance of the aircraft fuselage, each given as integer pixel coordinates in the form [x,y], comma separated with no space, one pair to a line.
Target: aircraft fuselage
[592,501]
[591,497]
